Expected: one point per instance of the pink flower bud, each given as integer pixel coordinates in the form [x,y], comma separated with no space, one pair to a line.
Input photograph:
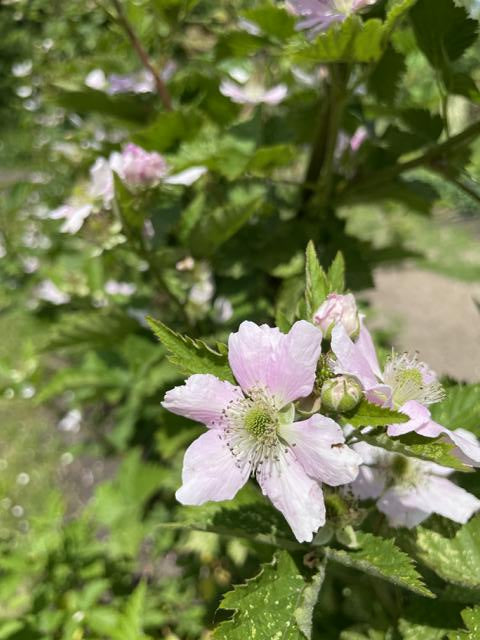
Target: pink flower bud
[138,167]
[337,309]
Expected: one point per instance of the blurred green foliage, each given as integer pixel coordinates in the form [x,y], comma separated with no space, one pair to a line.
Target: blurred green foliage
[89,460]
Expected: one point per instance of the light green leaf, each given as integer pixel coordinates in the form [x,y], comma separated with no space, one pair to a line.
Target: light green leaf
[416,446]
[273,20]
[454,559]
[461,408]
[266,159]
[412,631]
[189,355]
[471,617]
[372,415]
[265,607]
[351,41]
[381,558]
[130,622]
[336,274]
[316,285]
[396,12]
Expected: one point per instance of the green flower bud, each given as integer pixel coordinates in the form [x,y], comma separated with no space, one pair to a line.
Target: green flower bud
[341,394]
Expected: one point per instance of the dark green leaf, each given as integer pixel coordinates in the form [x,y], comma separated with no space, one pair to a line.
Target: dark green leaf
[416,446]
[385,79]
[371,415]
[443,30]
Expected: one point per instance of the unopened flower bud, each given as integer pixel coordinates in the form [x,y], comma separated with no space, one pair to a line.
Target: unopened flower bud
[338,309]
[341,394]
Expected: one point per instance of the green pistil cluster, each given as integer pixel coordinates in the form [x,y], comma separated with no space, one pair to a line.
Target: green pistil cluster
[324,372]
[259,423]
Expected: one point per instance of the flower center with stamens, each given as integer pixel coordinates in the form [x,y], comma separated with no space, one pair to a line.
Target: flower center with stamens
[411,379]
[405,472]
[259,423]
[251,431]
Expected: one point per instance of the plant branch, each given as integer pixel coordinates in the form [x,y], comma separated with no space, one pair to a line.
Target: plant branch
[320,167]
[429,159]
[142,54]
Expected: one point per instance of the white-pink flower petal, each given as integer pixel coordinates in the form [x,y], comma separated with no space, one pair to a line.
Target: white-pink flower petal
[356,358]
[319,446]
[210,471]
[295,494]
[203,398]
[404,506]
[283,365]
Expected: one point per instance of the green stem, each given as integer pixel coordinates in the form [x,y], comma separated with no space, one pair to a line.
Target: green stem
[138,243]
[142,54]
[320,167]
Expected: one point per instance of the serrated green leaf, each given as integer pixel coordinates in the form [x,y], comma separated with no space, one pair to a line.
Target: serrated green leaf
[101,327]
[381,558]
[265,606]
[316,285]
[454,559]
[385,78]
[336,274]
[372,415]
[417,446]
[351,41]
[189,355]
[461,408]
[449,34]
[130,622]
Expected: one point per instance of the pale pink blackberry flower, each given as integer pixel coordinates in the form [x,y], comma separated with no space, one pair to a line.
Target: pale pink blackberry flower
[137,167]
[252,93]
[406,384]
[407,490]
[318,15]
[252,429]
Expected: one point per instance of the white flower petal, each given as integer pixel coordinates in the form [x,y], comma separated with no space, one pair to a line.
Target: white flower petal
[203,397]
[210,471]
[285,365]
[295,494]
[319,446]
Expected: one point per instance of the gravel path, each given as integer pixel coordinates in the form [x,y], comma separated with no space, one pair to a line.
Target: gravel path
[433,314]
